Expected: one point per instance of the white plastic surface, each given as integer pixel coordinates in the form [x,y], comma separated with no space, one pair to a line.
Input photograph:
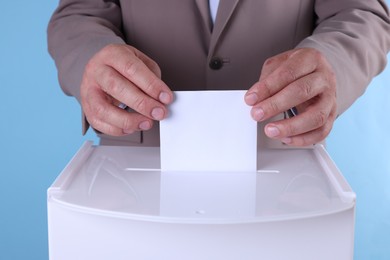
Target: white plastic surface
[115,203]
[127,182]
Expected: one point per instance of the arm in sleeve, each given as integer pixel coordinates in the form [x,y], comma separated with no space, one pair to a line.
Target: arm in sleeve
[77,30]
[354,36]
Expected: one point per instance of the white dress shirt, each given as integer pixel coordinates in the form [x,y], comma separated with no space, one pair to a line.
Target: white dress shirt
[213,9]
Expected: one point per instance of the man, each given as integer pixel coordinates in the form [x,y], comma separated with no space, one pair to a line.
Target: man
[315,56]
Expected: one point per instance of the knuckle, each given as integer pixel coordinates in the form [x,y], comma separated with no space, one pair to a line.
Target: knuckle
[97,112]
[291,130]
[329,85]
[140,104]
[92,120]
[112,85]
[274,107]
[267,87]
[152,87]
[304,90]
[111,130]
[110,82]
[269,61]
[95,123]
[131,68]
[154,67]
[320,118]
[128,123]
[288,74]
[91,69]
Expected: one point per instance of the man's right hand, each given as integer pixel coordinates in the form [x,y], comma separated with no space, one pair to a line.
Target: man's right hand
[122,74]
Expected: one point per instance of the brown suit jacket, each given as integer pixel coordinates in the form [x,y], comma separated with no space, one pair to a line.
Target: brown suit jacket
[195,55]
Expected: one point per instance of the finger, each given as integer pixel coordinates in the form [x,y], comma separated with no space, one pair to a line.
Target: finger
[113,130]
[294,94]
[272,63]
[309,138]
[269,66]
[126,92]
[134,69]
[106,128]
[298,64]
[110,119]
[119,125]
[315,117]
[151,64]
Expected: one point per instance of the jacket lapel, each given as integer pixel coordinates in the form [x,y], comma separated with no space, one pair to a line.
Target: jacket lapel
[225,11]
[203,7]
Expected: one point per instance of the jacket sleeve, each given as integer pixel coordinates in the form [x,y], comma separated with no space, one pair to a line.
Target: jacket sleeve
[355,38]
[77,30]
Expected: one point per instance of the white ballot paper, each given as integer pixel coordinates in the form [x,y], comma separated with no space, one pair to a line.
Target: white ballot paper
[208,131]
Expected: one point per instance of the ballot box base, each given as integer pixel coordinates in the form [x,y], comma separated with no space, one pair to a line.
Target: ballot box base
[116,203]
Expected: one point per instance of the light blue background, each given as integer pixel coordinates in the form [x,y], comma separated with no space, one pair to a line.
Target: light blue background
[40,131]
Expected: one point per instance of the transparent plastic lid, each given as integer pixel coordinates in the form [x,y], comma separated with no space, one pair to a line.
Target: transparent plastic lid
[127,182]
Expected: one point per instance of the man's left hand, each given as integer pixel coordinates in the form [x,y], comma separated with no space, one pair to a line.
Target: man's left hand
[300,78]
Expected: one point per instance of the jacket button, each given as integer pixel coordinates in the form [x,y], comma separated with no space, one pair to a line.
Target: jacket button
[216,63]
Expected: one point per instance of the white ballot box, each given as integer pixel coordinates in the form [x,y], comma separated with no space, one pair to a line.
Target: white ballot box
[209,192]
[116,203]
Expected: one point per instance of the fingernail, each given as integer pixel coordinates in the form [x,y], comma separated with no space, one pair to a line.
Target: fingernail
[272,131]
[158,113]
[258,114]
[287,140]
[164,97]
[251,99]
[145,125]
